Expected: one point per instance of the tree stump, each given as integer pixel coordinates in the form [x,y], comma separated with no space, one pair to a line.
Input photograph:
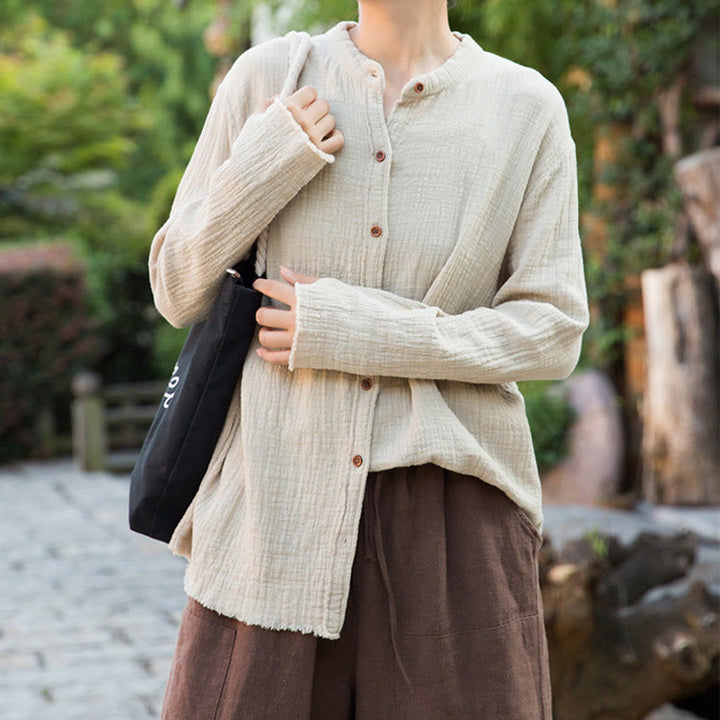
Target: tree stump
[614,655]
[681,408]
[699,179]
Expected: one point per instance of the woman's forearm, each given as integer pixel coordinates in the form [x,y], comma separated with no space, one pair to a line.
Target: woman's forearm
[231,190]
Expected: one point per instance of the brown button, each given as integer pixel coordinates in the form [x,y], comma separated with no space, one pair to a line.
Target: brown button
[376,231]
[419,87]
[366,383]
[379,155]
[357,460]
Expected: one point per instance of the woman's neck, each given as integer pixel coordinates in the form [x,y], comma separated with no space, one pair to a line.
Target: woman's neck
[407,37]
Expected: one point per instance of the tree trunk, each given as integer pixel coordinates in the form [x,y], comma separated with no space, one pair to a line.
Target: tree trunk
[699,179]
[681,409]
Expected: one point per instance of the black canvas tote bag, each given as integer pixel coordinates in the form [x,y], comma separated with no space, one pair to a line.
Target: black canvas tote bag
[180,443]
[182,438]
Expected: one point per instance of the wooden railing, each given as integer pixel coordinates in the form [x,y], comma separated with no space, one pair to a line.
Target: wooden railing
[110,423]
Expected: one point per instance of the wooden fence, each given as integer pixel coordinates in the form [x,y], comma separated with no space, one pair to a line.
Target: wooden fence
[110,423]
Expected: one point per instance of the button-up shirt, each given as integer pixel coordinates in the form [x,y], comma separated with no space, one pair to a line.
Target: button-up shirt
[446,244]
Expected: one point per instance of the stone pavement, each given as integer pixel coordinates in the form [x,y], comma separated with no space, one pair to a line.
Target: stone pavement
[89,610]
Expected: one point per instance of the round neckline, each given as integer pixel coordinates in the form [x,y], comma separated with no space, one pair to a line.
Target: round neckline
[452,69]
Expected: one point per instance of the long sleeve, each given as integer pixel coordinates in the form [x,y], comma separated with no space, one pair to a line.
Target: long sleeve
[532,330]
[242,172]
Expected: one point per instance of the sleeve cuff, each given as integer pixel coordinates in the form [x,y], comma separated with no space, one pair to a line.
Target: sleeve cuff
[290,121]
[308,307]
[341,327]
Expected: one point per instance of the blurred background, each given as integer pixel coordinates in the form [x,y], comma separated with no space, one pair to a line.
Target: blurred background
[100,107]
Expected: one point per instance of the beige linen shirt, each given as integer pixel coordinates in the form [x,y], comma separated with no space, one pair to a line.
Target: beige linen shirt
[446,243]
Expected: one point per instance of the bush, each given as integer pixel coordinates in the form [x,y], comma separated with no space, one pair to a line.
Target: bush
[550,416]
[46,335]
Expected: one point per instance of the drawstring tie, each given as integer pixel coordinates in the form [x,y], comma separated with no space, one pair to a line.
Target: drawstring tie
[382,562]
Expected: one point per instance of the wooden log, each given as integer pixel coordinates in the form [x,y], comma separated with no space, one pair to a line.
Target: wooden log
[681,408]
[614,655]
[698,176]
[650,561]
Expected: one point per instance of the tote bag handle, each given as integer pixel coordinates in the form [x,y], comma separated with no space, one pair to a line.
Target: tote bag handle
[299,48]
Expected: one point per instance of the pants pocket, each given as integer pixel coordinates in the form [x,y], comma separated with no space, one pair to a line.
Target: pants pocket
[200,666]
[462,555]
[528,524]
[495,674]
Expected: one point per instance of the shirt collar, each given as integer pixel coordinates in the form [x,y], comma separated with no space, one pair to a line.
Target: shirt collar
[466,56]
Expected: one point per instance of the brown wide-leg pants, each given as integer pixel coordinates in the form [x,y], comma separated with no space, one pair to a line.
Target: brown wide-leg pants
[444,621]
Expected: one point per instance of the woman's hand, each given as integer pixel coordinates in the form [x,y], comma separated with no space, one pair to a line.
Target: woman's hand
[314,117]
[278,326]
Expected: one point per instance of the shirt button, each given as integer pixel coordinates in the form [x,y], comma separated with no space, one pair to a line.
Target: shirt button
[376,231]
[379,155]
[419,87]
[357,460]
[366,384]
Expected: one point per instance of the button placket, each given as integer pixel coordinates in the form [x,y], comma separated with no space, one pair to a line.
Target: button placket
[379,166]
[375,215]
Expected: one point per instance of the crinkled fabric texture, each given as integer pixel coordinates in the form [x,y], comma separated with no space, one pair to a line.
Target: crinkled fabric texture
[409,346]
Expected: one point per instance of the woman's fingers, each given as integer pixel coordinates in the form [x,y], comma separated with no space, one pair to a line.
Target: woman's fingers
[275,339]
[277,326]
[301,98]
[279,357]
[333,142]
[318,110]
[275,289]
[314,117]
[274,318]
[292,277]
[323,127]
[277,330]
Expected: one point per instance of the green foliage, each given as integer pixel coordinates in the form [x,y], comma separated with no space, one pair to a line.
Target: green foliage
[310,15]
[634,52]
[102,102]
[539,34]
[167,346]
[165,68]
[598,542]
[635,48]
[161,200]
[46,335]
[63,114]
[550,416]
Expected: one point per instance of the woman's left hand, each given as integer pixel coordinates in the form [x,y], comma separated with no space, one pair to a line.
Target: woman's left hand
[278,326]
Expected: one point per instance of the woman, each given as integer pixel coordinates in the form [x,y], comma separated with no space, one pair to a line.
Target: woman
[364,543]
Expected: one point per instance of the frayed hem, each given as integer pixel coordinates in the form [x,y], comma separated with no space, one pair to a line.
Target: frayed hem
[260,620]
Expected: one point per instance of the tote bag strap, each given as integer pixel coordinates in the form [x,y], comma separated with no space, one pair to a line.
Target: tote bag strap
[299,48]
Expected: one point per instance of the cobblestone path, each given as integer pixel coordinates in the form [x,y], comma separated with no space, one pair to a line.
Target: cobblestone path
[88,609]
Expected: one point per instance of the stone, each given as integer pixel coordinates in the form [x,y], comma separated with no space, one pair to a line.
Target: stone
[592,472]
